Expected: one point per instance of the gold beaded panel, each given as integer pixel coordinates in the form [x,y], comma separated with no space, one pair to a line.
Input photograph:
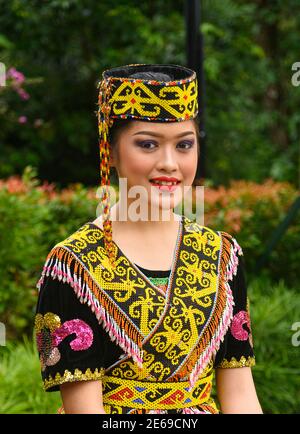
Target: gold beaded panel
[169,326]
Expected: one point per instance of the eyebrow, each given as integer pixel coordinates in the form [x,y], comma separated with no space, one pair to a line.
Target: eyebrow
[152,133]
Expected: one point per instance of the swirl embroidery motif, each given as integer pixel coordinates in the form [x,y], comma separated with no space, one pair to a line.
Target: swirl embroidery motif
[237,330]
[50,333]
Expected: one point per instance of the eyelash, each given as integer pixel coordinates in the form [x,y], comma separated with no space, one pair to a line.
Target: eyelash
[145,142]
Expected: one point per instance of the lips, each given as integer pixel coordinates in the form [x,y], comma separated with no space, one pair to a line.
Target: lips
[165,179]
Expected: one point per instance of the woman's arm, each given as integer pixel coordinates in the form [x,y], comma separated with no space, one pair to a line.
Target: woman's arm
[82,397]
[236,391]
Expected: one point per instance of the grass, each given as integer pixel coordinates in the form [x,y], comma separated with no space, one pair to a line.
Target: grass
[20,382]
[274,308]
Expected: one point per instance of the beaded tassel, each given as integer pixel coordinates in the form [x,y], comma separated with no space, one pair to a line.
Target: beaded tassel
[104,123]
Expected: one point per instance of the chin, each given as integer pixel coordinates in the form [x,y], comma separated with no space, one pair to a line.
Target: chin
[164,206]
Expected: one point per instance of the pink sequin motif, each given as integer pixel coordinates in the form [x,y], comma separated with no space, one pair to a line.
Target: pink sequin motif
[237,330]
[84,334]
[51,334]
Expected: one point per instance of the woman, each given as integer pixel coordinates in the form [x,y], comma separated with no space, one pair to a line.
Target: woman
[135,313]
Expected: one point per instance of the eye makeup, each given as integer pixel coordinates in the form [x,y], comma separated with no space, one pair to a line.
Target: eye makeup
[146,144]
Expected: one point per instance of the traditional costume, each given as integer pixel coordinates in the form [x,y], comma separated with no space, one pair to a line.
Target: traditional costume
[154,338]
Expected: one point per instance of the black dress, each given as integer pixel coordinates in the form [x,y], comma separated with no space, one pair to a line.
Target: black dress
[64,358]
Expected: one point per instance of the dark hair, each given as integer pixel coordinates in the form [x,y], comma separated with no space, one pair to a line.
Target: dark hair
[120,125]
[150,75]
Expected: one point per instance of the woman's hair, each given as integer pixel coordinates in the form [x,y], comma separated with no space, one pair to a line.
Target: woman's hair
[120,125]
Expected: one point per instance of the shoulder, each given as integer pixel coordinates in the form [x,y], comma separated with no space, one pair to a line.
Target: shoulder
[61,258]
[219,246]
[85,237]
[226,239]
[234,245]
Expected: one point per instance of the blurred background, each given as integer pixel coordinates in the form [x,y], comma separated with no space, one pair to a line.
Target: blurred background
[52,55]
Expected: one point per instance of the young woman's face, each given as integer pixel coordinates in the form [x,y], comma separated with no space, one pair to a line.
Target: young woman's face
[148,150]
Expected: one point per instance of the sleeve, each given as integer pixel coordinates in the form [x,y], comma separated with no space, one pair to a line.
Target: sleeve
[71,343]
[236,350]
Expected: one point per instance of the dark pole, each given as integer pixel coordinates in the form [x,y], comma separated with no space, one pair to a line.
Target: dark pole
[194,49]
[278,233]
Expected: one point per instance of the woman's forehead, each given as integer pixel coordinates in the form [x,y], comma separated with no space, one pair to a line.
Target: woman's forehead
[161,128]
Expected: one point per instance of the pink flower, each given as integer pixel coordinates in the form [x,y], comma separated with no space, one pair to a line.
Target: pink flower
[15,75]
[22,119]
[23,94]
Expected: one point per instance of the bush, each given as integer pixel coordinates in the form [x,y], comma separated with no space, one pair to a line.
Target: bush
[21,384]
[33,219]
[274,308]
[252,212]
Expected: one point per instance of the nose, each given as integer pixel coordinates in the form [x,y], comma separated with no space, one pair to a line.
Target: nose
[167,159]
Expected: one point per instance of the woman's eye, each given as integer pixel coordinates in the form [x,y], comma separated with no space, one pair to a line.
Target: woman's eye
[146,144]
[186,144]
[149,144]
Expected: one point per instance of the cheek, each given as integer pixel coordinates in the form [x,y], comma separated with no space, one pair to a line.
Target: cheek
[134,165]
[189,165]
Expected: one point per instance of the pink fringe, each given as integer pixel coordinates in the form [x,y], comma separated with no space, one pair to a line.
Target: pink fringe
[61,271]
[158,411]
[193,410]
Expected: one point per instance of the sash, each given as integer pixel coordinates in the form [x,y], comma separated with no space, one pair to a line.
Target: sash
[168,336]
[155,395]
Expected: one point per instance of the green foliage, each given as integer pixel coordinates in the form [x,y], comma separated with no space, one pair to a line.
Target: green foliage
[21,223]
[30,225]
[252,116]
[21,383]
[252,120]
[111,33]
[274,309]
[252,212]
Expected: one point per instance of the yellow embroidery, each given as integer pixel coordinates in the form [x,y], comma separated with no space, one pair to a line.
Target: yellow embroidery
[152,370]
[234,363]
[142,308]
[144,100]
[162,334]
[155,395]
[180,329]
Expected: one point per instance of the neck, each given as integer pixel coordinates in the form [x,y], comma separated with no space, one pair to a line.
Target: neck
[162,223]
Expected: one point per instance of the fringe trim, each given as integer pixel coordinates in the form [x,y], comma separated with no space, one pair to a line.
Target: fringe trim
[58,266]
[158,412]
[214,334]
[194,410]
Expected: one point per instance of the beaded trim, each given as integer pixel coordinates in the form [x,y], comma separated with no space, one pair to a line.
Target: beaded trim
[159,280]
[234,363]
[78,375]
[155,395]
